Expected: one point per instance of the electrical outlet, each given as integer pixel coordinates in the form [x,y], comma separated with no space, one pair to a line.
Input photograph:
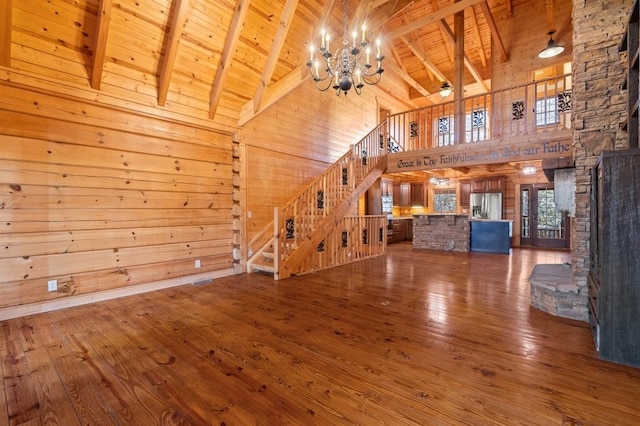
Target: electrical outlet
[198,264]
[249,214]
[52,285]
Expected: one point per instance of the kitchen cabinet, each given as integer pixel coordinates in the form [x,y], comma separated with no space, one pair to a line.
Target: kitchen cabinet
[614,287]
[405,195]
[402,230]
[418,196]
[465,193]
[495,184]
[407,229]
[490,184]
[491,236]
[478,185]
[386,187]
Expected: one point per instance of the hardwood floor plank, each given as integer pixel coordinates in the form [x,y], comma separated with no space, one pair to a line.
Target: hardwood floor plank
[412,337]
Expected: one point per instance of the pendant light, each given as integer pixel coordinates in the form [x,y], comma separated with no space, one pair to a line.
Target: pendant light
[552,49]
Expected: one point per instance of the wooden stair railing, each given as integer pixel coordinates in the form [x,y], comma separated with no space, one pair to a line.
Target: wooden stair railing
[303,222]
[291,264]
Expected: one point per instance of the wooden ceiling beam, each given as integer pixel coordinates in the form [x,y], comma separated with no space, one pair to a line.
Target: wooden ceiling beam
[274,52]
[447,46]
[5,33]
[233,36]
[494,30]
[275,92]
[398,69]
[282,87]
[100,46]
[360,16]
[173,42]
[477,37]
[423,58]
[384,11]
[467,62]
[432,18]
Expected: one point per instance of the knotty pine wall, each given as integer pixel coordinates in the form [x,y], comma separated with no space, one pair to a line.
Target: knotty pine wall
[110,196]
[104,200]
[525,36]
[293,142]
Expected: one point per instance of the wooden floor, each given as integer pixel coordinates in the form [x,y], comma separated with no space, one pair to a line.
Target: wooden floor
[413,337]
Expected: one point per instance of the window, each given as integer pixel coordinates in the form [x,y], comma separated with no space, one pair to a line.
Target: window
[445,131]
[444,201]
[546,111]
[475,126]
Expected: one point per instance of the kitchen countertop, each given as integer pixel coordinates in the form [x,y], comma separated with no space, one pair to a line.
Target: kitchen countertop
[490,220]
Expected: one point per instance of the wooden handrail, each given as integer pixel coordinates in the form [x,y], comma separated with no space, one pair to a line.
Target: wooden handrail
[540,106]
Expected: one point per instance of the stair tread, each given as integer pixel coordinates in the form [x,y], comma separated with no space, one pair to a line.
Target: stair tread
[262,267]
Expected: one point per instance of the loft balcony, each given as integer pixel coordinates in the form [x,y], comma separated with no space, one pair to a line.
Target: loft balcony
[522,123]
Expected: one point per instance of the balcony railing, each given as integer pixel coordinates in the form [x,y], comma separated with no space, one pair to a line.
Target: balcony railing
[540,106]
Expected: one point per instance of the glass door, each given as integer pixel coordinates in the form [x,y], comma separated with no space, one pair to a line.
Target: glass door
[541,225]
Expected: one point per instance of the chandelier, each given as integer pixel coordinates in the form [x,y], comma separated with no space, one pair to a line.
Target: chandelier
[349,66]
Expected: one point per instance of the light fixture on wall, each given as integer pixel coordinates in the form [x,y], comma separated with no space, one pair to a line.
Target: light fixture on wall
[349,67]
[439,181]
[529,170]
[445,89]
[552,49]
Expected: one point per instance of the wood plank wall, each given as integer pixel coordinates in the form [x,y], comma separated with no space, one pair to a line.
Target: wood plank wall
[526,36]
[102,199]
[293,142]
[115,192]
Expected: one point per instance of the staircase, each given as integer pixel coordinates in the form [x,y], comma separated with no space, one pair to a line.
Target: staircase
[320,228]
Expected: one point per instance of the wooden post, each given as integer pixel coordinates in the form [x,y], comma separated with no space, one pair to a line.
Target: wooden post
[276,243]
[458,77]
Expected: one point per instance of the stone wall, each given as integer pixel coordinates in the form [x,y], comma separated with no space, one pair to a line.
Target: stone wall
[599,107]
[441,232]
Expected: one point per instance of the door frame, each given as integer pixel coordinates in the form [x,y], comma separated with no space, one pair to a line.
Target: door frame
[533,240]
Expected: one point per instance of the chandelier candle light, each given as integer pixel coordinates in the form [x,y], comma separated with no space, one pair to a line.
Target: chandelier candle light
[347,69]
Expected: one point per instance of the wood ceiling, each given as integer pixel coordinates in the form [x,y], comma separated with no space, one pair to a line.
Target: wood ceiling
[231,59]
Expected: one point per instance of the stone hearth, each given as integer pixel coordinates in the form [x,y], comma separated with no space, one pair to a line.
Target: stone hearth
[553,291]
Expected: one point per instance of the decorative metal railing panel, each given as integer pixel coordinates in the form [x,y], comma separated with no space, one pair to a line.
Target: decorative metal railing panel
[353,238]
[540,106]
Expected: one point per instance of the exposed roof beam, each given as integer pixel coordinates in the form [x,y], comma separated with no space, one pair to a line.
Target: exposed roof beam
[275,92]
[382,14]
[494,30]
[100,47]
[478,38]
[233,36]
[550,19]
[378,3]
[420,55]
[274,52]
[443,31]
[397,68]
[433,18]
[282,87]
[175,33]
[5,33]
[467,62]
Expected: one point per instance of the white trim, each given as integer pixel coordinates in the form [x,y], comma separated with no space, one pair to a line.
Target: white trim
[85,299]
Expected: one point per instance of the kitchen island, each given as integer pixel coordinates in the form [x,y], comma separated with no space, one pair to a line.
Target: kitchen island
[491,236]
[448,232]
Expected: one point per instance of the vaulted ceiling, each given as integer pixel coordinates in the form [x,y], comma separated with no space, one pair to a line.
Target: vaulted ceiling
[231,59]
